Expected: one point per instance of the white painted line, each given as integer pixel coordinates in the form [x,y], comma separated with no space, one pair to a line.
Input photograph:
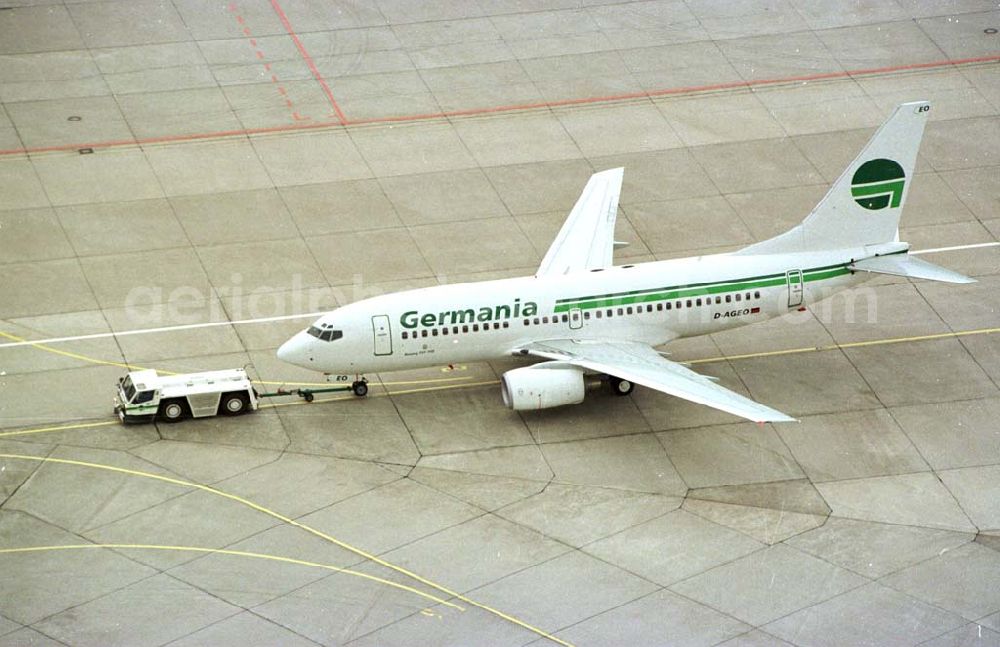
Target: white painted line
[951,249]
[147,331]
[309,315]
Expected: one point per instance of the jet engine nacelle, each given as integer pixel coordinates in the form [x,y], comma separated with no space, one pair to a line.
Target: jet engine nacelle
[541,387]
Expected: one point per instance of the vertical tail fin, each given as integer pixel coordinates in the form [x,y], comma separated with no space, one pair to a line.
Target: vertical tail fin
[864,204]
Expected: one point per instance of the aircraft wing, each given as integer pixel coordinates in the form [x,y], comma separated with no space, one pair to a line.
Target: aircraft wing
[641,364]
[586,240]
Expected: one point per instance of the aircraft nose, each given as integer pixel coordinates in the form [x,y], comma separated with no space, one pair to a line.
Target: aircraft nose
[296,351]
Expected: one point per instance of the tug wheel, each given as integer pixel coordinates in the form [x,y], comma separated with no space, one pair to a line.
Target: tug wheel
[172,411]
[233,404]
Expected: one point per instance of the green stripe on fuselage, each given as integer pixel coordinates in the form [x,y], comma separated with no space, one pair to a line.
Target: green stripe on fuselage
[695,290]
[617,295]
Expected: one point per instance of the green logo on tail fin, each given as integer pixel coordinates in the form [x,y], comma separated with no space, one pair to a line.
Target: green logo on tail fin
[878,184]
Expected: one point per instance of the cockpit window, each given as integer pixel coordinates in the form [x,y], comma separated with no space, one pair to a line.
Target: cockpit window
[128,389]
[325,335]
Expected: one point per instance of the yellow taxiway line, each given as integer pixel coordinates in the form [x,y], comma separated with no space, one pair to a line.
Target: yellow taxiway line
[235,553]
[465,384]
[292,522]
[366,555]
[134,367]
[430,380]
[446,387]
[855,344]
[42,430]
[265,405]
[66,353]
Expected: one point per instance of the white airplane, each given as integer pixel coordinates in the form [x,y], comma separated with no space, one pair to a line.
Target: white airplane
[583,315]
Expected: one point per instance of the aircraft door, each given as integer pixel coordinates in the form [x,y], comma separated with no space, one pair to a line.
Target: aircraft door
[575,319]
[794,278]
[383,335]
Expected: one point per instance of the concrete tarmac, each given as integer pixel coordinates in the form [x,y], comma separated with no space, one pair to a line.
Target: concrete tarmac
[173,162]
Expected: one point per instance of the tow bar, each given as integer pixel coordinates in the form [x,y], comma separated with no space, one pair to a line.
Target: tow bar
[359,387]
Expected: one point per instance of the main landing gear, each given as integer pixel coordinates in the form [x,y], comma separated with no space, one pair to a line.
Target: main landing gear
[619,386]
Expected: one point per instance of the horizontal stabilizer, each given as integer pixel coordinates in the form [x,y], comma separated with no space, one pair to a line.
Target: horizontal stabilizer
[906,265]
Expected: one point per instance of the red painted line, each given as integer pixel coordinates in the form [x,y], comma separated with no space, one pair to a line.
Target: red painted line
[166,139]
[309,62]
[692,89]
[260,56]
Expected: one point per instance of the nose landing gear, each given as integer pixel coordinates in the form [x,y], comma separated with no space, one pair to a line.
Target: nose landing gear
[360,387]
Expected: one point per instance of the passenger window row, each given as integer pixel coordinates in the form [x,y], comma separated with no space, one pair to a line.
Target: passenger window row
[544,320]
[650,307]
[597,314]
[455,330]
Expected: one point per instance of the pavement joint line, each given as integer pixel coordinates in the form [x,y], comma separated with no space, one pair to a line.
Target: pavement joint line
[308,315]
[135,367]
[235,553]
[706,360]
[343,122]
[269,405]
[361,406]
[292,522]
